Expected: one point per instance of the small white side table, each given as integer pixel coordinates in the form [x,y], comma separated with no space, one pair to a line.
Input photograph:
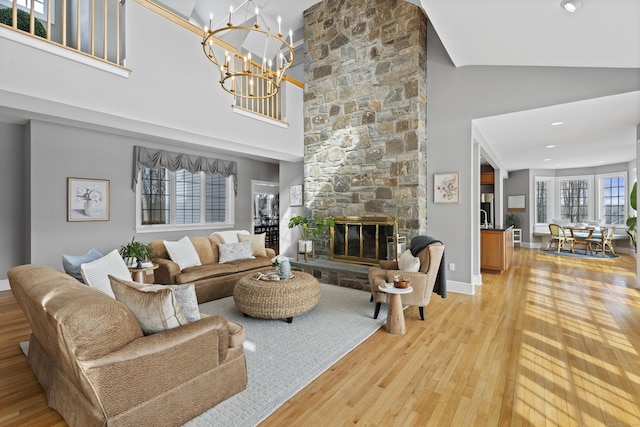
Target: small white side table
[517,236]
[395,314]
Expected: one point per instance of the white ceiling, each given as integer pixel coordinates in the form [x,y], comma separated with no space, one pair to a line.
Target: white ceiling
[602,33]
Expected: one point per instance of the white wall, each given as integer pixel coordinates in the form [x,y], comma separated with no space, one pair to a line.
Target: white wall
[171,93]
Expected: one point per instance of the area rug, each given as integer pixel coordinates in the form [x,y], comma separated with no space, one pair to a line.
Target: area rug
[283,358]
[564,252]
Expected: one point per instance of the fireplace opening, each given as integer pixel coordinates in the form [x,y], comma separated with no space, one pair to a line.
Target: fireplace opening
[362,240]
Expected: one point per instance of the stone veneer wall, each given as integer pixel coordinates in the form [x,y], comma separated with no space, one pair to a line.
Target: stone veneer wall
[365,112]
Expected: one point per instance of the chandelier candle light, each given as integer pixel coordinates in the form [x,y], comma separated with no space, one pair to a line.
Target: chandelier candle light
[243,73]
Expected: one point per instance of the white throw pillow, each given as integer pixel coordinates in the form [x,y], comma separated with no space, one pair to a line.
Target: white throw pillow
[183,253]
[408,262]
[235,251]
[96,273]
[230,236]
[186,297]
[154,306]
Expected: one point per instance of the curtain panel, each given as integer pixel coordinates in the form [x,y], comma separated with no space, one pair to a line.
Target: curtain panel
[155,159]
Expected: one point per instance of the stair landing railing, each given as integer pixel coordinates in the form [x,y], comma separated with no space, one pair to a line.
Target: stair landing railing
[90,27]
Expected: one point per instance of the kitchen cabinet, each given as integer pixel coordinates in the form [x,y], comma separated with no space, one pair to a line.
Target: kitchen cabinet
[496,249]
[486,178]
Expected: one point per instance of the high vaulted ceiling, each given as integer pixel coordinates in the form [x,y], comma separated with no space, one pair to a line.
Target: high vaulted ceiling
[601,33]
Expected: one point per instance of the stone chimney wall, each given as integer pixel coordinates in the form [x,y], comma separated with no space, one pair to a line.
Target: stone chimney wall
[365,111]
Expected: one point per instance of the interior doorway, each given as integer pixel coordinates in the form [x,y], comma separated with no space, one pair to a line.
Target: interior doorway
[265,204]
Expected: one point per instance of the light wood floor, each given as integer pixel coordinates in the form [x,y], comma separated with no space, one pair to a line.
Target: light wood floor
[552,341]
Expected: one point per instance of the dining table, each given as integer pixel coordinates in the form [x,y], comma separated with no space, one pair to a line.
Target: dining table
[580,235]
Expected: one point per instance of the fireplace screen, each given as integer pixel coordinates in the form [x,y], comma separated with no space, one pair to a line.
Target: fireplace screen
[361,240]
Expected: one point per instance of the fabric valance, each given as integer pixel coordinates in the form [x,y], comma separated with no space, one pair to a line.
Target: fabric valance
[155,159]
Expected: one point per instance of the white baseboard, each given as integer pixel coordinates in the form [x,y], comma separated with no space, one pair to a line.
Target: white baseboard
[4,285]
[476,279]
[460,287]
[531,245]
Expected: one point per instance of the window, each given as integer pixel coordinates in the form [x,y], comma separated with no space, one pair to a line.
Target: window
[182,199]
[544,199]
[542,192]
[39,6]
[574,199]
[613,199]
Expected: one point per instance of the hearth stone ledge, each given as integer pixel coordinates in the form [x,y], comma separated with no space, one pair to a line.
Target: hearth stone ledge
[335,273]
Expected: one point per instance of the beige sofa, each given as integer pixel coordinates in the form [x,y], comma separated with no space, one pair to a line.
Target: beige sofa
[212,280]
[97,369]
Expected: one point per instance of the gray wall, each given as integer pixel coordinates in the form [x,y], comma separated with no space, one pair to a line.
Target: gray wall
[458,95]
[55,152]
[13,195]
[290,173]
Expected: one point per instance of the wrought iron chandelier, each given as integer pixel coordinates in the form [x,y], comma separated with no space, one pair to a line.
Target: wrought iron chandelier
[251,59]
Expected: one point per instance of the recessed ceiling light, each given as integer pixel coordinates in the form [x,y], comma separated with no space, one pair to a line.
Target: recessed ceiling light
[547,160]
[571,5]
[551,146]
[557,123]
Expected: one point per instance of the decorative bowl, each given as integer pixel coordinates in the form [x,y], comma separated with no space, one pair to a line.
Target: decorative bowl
[402,284]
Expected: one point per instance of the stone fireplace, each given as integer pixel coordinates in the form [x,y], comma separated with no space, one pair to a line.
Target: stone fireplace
[365,117]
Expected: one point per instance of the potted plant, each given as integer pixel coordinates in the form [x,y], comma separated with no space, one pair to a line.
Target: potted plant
[135,253]
[307,229]
[632,220]
[512,219]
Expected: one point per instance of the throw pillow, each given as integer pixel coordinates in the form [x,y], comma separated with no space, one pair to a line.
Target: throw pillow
[154,306]
[183,253]
[72,263]
[187,300]
[96,273]
[229,236]
[408,262]
[235,251]
[257,242]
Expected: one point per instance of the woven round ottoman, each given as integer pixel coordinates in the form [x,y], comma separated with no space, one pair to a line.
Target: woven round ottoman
[281,299]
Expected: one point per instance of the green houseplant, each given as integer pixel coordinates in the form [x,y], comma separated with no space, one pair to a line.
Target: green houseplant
[23,21]
[308,228]
[632,220]
[135,253]
[512,219]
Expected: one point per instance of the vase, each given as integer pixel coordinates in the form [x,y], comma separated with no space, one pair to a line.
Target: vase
[88,208]
[284,269]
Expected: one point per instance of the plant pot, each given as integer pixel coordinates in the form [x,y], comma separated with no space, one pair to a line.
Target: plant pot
[305,246]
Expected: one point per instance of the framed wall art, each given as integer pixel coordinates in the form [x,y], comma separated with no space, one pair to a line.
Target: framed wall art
[446,187]
[295,195]
[87,199]
[516,203]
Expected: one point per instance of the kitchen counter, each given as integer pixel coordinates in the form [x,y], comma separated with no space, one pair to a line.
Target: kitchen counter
[496,249]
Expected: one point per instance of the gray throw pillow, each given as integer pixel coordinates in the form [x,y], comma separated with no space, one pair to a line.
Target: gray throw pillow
[186,298]
[72,263]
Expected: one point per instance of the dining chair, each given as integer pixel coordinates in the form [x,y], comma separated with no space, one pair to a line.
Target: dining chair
[559,237]
[603,242]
